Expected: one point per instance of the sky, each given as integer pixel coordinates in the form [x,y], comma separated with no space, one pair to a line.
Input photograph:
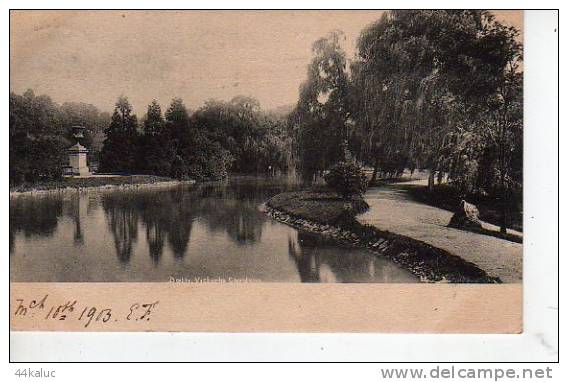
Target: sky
[97,56]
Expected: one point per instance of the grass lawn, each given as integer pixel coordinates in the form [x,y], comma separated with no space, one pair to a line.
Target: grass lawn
[319,206]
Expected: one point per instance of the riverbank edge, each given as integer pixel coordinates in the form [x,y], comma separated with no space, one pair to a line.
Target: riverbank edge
[428,263]
[121,186]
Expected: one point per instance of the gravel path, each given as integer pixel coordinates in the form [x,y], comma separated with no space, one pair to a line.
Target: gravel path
[392,209]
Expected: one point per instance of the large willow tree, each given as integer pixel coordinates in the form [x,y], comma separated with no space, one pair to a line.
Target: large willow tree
[441,90]
[321,115]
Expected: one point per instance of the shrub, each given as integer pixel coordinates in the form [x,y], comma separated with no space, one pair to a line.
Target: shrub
[347,179]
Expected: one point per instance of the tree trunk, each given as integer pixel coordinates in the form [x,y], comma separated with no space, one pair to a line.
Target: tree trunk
[375,171]
[431,181]
[502,191]
[503,202]
[503,228]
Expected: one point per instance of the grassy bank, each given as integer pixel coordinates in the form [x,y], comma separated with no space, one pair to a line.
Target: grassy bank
[318,206]
[97,181]
[333,219]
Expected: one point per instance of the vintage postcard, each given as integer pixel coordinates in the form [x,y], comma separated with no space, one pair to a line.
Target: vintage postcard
[266,171]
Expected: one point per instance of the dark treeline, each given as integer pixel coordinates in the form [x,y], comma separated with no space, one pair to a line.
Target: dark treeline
[40,132]
[431,90]
[219,137]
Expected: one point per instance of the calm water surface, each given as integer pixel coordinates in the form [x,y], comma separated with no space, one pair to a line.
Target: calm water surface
[212,231]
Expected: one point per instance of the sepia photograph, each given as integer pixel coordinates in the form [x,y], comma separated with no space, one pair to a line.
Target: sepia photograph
[266,146]
[375,186]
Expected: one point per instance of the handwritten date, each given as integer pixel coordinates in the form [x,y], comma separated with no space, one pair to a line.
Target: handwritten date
[87,315]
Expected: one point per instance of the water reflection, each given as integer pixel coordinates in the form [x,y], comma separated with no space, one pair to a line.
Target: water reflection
[318,261]
[212,230]
[122,220]
[240,220]
[76,208]
[34,217]
[179,229]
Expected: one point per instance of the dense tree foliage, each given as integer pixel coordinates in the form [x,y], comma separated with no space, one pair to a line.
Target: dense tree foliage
[155,152]
[39,135]
[219,137]
[258,142]
[121,143]
[170,146]
[322,113]
[434,90]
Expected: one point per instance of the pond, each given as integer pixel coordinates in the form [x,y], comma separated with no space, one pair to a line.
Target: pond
[208,232]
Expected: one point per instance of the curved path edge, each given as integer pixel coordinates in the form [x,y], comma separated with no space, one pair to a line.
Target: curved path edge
[428,263]
[390,207]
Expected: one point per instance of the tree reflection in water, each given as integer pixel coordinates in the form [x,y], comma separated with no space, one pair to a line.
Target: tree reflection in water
[34,216]
[153,217]
[240,220]
[155,236]
[166,216]
[317,261]
[231,208]
[181,208]
[122,219]
[307,263]
[205,230]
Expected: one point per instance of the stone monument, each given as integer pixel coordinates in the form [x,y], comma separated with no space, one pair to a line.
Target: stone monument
[77,156]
